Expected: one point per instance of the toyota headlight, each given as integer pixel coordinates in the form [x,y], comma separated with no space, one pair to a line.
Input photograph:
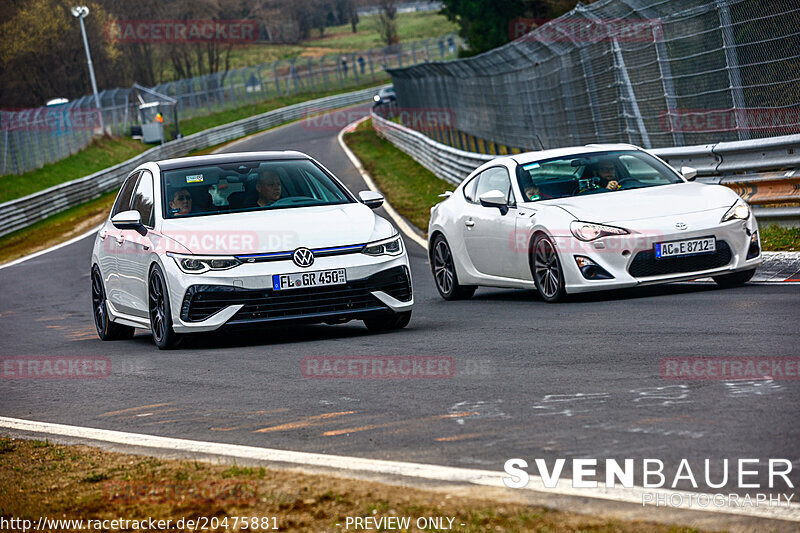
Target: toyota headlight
[740,210]
[589,231]
[390,246]
[198,264]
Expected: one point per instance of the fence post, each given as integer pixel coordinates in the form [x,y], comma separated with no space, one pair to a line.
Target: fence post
[354,64]
[5,150]
[619,64]
[324,72]
[732,62]
[662,56]
[568,98]
[277,80]
[371,68]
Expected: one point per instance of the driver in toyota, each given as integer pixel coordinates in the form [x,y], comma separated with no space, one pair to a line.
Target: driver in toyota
[606,170]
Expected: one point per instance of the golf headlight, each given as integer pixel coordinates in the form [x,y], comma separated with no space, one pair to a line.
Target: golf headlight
[390,246]
[197,264]
[740,210]
[588,231]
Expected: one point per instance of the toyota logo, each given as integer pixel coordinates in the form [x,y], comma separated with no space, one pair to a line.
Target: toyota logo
[681,225]
[303,257]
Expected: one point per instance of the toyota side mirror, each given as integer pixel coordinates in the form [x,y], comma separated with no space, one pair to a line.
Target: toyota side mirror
[689,173]
[128,220]
[495,198]
[371,199]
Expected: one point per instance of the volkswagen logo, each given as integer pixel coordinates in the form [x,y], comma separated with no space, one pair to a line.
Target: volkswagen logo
[303,257]
[681,225]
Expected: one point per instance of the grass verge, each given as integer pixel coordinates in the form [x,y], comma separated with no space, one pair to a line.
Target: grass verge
[197,124]
[56,229]
[779,239]
[102,153]
[43,479]
[408,186]
[410,27]
[337,40]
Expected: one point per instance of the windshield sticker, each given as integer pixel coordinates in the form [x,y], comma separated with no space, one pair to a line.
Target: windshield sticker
[531,166]
[197,178]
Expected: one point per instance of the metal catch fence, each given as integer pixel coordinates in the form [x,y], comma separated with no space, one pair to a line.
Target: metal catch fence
[32,138]
[655,73]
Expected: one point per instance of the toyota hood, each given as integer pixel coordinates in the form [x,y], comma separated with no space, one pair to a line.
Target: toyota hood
[278,230]
[651,202]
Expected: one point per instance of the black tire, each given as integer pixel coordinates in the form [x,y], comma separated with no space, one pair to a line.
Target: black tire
[734,280]
[388,322]
[106,329]
[160,315]
[444,272]
[546,269]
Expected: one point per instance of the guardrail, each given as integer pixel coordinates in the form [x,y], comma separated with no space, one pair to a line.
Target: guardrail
[23,212]
[715,163]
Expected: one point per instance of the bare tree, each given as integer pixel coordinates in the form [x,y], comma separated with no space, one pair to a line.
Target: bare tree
[387,21]
[352,13]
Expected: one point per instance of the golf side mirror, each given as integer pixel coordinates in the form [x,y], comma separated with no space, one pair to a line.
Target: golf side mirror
[127,220]
[371,199]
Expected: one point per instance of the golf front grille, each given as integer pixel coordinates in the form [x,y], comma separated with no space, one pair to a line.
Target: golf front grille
[202,301]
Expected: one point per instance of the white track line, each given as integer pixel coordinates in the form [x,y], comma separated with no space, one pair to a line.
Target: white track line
[51,249]
[790,512]
[399,220]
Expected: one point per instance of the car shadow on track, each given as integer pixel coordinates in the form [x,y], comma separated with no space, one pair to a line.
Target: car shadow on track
[517,295]
[270,336]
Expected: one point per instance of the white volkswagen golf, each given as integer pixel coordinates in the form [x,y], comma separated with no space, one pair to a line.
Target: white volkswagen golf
[585,219]
[199,243]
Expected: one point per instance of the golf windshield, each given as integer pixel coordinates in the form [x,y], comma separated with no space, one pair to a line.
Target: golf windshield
[248,186]
[595,173]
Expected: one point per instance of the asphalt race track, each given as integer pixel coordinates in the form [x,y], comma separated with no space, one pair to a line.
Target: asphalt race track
[532,380]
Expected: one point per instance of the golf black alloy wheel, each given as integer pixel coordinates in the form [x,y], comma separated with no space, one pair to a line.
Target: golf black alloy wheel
[106,329]
[160,318]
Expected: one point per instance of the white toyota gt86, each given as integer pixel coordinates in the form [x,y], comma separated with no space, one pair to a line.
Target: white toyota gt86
[199,243]
[588,218]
